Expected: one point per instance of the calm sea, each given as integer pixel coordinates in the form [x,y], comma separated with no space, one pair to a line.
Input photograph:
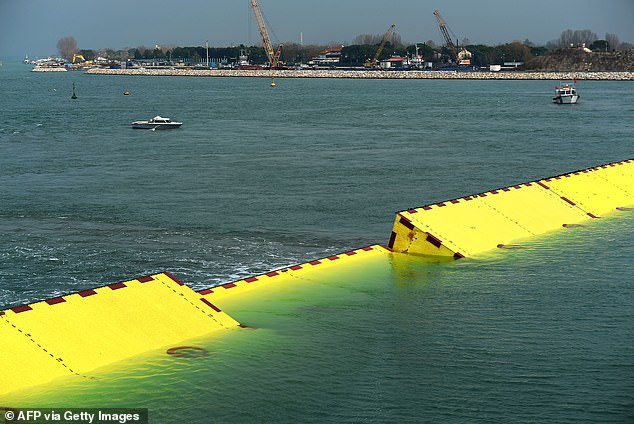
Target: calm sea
[258,178]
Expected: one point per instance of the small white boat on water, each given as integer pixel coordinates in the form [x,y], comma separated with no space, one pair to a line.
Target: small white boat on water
[156,123]
[566,94]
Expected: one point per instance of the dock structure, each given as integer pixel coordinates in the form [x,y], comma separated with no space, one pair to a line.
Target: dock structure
[74,335]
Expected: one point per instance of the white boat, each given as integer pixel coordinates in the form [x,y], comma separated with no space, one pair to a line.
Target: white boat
[156,123]
[566,94]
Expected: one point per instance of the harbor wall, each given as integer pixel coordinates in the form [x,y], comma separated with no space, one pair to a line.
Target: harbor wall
[373,74]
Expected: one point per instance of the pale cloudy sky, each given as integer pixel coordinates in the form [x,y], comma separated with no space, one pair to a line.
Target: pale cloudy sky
[32,27]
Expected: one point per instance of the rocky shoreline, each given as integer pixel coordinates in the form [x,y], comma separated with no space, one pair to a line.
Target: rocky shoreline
[49,69]
[364,74]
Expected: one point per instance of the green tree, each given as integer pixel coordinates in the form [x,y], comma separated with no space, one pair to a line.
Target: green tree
[599,46]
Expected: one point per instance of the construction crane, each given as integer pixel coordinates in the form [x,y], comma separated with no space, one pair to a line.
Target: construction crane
[462,56]
[371,63]
[272,55]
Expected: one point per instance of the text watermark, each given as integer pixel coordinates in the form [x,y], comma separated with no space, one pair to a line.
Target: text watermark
[74,415]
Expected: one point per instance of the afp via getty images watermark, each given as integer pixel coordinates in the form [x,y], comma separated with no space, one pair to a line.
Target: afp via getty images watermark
[74,415]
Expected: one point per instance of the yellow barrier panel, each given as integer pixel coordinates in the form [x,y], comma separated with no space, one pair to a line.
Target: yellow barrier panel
[474,224]
[80,332]
[289,275]
[620,174]
[598,190]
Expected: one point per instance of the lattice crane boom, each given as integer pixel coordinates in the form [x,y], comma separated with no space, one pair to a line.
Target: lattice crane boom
[271,54]
[372,63]
[462,56]
[445,33]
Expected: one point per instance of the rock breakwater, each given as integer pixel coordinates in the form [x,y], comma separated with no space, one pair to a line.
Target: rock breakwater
[363,74]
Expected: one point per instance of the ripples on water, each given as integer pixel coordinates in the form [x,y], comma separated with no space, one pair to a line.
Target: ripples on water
[257,179]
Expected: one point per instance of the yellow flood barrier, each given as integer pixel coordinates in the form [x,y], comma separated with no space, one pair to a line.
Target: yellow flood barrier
[77,333]
[475,224]
[305,272]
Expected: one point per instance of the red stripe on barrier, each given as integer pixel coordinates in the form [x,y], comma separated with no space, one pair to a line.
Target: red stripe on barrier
[351,253]
[543,185]
[517,187]
[440,205]
[208,303]
[206,291]
[146,279]
[272,274]
[367,249]
[412,211]
[296,267]
[314,262]
[117,286]
[454,201]
[433,240]
[405,222]
[427,208]
[251,279]
[592,215]
[55,300]
[390,243]
[176,280]
[458,255]
[468,198]
[565,199]
[494,192]
[527,184]
[228,286]
[506,189]
[87,293]
[483,195]
[22,308]
[333,258]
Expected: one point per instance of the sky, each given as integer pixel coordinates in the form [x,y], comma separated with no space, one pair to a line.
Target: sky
[33,27]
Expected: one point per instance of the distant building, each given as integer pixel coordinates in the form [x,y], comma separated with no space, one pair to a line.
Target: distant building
[329,57]
[394,62]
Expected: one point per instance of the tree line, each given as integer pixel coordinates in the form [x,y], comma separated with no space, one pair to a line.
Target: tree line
[362,48]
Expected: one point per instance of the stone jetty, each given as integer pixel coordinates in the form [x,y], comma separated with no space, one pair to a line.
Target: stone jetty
[49,69]
[375,74]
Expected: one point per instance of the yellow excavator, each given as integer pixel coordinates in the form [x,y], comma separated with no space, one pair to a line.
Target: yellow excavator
[79,62]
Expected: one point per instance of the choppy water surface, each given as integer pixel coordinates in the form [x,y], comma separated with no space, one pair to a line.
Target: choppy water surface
[259,178]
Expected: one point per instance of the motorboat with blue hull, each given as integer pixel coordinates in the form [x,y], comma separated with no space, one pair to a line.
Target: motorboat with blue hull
[156,123]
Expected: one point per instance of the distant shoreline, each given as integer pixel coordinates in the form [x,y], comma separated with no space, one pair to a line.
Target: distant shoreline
[374,74]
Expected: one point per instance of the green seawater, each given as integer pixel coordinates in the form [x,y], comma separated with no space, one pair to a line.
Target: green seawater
[260,178]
